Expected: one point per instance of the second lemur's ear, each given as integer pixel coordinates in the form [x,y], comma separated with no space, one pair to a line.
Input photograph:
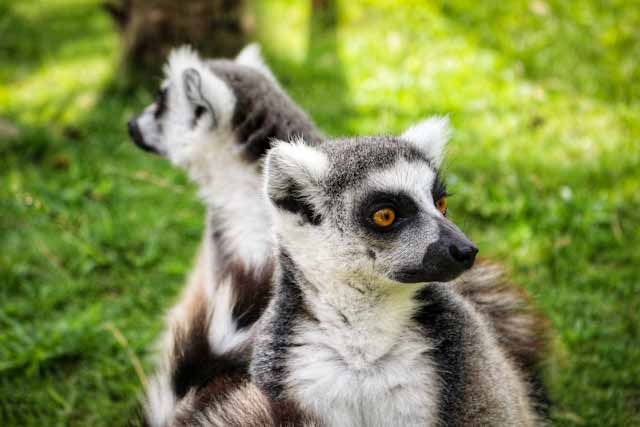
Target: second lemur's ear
[193,91]
[200,94]
[430,136]
[251,56]
[293,172]
[192,85]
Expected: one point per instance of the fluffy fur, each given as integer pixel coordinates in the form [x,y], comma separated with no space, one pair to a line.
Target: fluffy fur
[521,330]
[215,119]
[200,386]
[245,109]
[349,335]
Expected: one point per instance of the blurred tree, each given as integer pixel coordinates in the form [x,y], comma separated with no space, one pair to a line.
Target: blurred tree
[150,28]
[324,20]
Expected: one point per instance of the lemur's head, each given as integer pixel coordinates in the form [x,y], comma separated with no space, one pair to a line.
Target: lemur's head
[372,205]
[195,105]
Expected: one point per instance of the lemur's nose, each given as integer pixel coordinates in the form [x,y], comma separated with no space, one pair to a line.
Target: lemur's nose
[134,131]
[136,136]
[463,253]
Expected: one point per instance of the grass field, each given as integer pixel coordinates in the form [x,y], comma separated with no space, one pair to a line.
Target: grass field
[96,236]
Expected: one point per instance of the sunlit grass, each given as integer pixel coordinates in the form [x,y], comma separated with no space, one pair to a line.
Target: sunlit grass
[544,164]
[61,92]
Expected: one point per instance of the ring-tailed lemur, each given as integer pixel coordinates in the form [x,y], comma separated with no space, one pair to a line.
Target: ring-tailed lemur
[215,119]
[219,147]
[363,329]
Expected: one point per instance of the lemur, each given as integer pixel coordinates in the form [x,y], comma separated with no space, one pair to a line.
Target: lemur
[364,328]
[216,119]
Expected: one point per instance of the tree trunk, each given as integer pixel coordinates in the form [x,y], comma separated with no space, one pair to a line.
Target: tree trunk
[151,28]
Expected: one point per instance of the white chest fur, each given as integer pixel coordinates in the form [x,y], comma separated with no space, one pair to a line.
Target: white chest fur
[364,368]
[240,206]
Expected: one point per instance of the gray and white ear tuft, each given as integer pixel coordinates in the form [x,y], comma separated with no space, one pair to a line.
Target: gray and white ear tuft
[198,89]
[251,56]
[293,172]
[194,92]
[192,85]
[430,136]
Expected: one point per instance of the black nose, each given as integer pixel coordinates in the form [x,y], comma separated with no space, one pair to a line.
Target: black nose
[464,254]
[136,136]
[134,131]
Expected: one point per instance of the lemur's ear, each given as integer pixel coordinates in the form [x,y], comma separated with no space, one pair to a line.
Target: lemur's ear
[430,136]
[193,91]
[251,56]
[203,91]
[293,172]
[192,85]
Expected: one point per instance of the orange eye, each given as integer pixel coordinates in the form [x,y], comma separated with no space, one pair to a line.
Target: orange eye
[441,205]
[384,217]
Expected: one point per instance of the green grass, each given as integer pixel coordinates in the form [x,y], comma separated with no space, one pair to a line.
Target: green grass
[96,237]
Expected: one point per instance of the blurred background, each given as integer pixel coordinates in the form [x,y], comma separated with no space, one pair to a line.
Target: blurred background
[96,236]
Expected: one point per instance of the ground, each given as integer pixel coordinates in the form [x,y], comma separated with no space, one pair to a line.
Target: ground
[96,236]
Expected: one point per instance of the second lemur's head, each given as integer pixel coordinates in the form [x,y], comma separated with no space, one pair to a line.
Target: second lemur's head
[198,105]
[368,205]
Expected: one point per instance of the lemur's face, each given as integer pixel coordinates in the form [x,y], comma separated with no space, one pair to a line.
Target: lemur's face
[369,205]
[192,112]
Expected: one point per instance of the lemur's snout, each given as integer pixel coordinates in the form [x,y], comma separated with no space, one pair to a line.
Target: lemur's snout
[136,135]
[449,256]
[134,130]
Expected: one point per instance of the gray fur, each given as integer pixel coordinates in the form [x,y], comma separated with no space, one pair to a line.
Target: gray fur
[263,111]
[339,314]
[354,158]
[237,243]
[287,309]
[479,379]
[344,187]
[257,111]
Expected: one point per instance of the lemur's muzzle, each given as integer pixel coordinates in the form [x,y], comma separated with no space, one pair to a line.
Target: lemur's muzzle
[445,259]
[136,136]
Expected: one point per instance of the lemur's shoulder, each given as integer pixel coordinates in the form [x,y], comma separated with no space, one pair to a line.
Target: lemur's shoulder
[468,358]
[521,330]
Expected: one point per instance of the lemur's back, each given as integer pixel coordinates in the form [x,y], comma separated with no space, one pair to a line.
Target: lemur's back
[263,111]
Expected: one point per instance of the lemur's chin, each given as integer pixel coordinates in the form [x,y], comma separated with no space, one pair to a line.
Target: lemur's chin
[422,276]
